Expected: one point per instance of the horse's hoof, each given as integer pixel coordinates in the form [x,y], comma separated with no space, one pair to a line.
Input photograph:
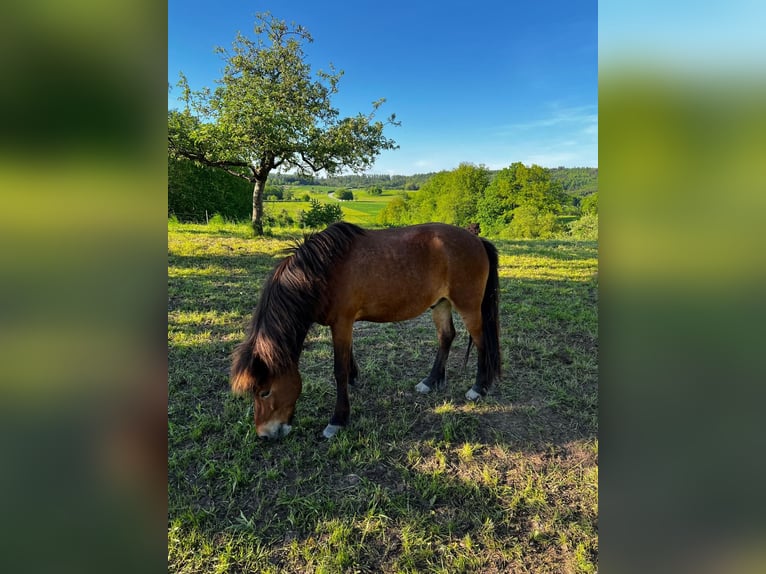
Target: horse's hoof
[422,387]
[472,395]
[331,430]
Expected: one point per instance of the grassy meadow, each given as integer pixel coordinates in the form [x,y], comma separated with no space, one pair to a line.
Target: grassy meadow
[416,483]
[363,210]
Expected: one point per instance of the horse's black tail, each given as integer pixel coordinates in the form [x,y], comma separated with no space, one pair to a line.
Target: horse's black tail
[490,355]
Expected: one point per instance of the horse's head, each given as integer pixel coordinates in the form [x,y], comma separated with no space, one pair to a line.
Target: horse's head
[274,394]
[274,399]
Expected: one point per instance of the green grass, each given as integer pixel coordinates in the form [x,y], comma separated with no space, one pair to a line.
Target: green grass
[363,210]
[415,483]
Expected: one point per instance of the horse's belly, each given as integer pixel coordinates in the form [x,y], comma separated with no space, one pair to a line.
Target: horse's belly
[395,309]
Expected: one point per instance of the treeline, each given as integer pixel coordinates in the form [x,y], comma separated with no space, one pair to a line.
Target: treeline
[576,181]
[383,181]
[518,201]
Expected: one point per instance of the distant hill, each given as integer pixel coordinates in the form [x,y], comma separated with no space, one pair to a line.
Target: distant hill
[386,181]
[576,181]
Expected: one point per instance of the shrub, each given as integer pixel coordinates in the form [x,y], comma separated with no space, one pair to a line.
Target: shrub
[531,223]
[589,204]
[585,228]
[395,213]
[275,191]
[321,214]
[281,219]
[345,195]
[374,190]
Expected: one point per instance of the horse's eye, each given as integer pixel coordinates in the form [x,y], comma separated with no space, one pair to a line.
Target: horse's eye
[265,394]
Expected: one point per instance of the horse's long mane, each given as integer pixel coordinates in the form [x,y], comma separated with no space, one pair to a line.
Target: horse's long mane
[291,296]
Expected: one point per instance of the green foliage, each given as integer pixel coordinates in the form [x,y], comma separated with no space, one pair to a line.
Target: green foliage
[384,181]
[321,214]
[275,191]
[345,195]
[375,190]
[451,196]
[525,192]
[576,181]
[585,228]
[395,213]
[194,189]
[530,222]
[589,204]
[281,219]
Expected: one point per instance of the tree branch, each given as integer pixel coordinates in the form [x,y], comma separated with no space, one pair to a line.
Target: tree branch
[221,164]
[308,162]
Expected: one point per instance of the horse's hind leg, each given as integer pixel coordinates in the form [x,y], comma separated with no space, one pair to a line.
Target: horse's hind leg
[473,323]
[353,373]
[441,314]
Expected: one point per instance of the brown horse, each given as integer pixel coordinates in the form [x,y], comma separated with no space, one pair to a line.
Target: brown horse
[346,274]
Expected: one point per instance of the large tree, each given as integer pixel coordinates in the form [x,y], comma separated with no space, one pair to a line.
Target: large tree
[451,196]
[270,111]
[519,190]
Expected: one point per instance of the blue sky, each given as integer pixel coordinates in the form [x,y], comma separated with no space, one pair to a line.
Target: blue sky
[485,82]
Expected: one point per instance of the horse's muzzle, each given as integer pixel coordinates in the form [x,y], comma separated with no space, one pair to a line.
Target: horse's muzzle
[275,430]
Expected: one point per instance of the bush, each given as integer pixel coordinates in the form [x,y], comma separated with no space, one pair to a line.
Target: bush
[585,228]
[589,204]
[274,191]
[321,214]
[374,190]
[395,213]
[281,219]
[345,195]
[531,223]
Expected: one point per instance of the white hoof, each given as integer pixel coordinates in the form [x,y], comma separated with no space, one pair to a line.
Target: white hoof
[472,395]
[330,431]
[421,387]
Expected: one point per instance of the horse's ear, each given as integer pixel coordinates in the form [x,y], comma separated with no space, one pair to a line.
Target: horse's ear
[245,366]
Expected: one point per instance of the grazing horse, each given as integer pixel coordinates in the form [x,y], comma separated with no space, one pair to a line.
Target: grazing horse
[346,274]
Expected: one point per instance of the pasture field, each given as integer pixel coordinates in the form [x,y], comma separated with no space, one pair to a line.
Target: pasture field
[416,483]
[363,210]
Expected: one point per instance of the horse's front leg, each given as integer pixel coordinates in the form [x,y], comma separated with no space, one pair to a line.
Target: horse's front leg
[341,341]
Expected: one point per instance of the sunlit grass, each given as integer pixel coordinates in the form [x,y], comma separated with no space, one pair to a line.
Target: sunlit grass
[415,483]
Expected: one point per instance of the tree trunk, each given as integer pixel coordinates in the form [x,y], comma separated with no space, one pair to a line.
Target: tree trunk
[258,187]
